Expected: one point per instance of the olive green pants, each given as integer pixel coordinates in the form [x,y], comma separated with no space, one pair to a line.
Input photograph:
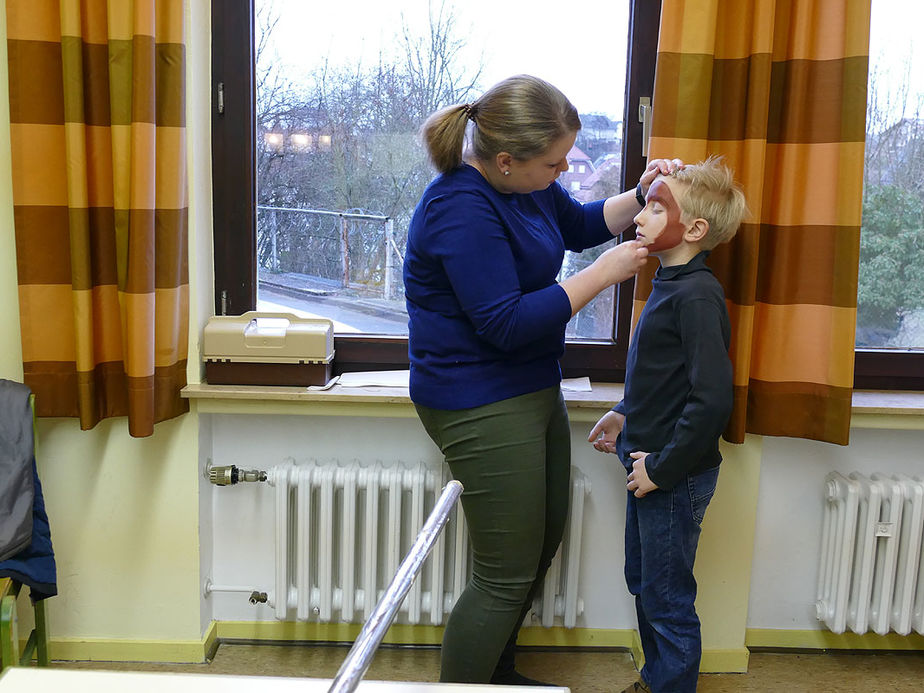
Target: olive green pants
[513,458]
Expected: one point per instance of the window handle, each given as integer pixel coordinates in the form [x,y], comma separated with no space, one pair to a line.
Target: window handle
[644,117]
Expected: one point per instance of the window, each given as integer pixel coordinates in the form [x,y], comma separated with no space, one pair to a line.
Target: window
[306,220]
[890,312]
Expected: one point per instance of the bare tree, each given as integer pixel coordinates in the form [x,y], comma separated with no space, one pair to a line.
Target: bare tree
[346,140]
[435,77]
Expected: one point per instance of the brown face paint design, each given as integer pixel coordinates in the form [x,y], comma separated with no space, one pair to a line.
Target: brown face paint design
[673,231]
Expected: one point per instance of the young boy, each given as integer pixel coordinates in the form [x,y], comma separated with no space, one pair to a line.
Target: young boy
[677,400]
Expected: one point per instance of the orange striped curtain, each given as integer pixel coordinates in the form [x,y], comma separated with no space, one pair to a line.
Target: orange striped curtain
[779,88]
[98,129]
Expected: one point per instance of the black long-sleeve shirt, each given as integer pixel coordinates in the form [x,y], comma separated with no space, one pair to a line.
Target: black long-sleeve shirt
[679,392]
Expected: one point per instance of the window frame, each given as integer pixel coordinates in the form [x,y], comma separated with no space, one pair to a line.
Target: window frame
[234,192]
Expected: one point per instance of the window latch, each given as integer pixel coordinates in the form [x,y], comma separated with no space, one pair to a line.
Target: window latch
[644,117]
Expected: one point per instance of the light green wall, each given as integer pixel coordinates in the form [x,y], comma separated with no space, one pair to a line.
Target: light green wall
[10,343]
[124,512]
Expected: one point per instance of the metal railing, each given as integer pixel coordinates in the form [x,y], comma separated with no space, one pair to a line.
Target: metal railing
[360,656]
[337,238]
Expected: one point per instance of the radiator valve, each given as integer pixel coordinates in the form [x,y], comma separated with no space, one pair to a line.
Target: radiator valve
[230,474]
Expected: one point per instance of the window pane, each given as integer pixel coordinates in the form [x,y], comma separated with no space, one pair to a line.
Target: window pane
[891,293]
[342,89]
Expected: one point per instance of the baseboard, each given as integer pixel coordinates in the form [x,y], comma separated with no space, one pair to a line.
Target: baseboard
[713,660]
[292,631]
[102,650]
[402,634]
[537,636]
[826,640]
[730,661]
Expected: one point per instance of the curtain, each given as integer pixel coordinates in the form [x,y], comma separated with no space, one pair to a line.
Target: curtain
[98,144]
[778,87]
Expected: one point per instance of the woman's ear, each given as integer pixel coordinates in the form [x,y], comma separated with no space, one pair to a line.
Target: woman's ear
[503,160]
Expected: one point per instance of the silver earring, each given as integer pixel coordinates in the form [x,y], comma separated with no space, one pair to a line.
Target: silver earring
[506,173]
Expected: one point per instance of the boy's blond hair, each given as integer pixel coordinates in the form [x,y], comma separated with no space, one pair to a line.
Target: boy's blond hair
[711,193]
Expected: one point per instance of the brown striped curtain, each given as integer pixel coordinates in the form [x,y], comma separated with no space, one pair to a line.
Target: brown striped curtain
[779,88]
[98,134]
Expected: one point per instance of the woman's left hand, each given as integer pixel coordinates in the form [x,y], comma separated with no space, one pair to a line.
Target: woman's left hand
[658,167]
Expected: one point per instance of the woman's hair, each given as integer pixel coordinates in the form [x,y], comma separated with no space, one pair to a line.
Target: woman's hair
[521,115]
[711,193]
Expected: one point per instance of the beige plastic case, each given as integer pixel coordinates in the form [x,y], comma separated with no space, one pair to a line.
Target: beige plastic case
[259,348]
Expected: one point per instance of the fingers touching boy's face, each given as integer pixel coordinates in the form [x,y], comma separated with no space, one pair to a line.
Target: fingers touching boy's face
[658,225]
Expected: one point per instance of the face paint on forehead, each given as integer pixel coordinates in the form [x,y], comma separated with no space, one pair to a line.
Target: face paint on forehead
[661,192]
[672,234]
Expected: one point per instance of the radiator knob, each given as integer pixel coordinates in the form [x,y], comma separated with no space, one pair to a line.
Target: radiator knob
[225,476]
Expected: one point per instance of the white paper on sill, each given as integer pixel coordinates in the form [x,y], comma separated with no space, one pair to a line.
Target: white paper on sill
[330,384]
[576,384]
[375,379]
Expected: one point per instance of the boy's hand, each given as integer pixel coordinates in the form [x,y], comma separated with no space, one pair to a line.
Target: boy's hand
[638,482]
[604,433]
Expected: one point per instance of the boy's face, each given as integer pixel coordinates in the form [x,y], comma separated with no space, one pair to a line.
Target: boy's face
[658,225]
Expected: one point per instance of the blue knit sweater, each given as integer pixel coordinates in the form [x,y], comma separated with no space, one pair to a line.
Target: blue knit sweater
[486,315]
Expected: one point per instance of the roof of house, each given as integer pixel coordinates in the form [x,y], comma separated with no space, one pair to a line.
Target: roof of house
[576,154]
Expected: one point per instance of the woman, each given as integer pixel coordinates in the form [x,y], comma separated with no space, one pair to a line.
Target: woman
[486,329]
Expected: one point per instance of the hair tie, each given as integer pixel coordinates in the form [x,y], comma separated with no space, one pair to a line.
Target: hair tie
[469,111]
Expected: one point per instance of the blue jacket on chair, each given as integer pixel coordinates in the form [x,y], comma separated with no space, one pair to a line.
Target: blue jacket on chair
[26,553]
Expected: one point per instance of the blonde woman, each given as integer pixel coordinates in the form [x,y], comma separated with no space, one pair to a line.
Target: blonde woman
[486,329]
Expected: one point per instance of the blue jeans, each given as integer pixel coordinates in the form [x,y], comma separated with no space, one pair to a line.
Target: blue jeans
[662,531]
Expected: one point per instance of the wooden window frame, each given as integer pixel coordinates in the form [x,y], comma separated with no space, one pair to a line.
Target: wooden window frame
[235,194]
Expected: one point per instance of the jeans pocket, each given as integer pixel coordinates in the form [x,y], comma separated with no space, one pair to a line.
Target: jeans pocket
[702,487]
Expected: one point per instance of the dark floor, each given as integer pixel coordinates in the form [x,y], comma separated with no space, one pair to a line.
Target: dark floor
[583,672]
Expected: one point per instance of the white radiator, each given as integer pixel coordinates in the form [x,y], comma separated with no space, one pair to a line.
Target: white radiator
[342,530]
[871,576]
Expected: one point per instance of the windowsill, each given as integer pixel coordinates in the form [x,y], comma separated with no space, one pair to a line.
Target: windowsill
[389,402]
[871,408]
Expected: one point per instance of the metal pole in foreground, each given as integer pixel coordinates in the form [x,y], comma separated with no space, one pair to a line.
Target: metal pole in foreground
[363,650]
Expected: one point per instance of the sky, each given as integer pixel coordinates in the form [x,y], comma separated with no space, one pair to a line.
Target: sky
[579,47]
[894,56]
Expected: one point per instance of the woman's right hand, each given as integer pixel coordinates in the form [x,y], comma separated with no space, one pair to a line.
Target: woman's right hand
[615,265]
[622,261]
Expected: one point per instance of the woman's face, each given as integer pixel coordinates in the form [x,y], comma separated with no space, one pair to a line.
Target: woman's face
[538,173]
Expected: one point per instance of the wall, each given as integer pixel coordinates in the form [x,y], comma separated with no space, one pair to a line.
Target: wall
[124,512]
[758,559]
[243,525]
[132,520]
[243,521]
[789,515]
